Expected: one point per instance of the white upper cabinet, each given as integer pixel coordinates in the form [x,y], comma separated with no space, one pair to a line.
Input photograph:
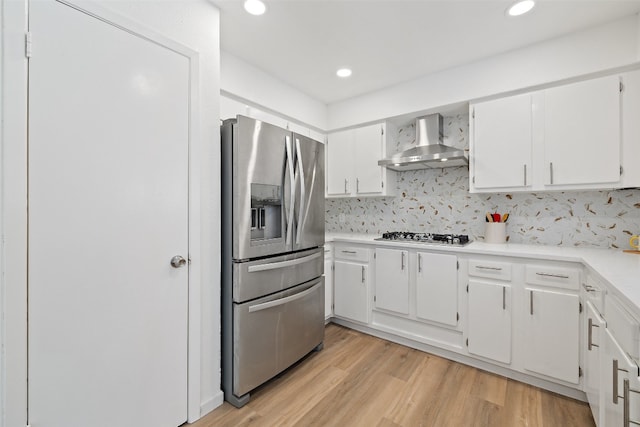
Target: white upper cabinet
[501,143]
[352,162]
[569,137]
[339,155]
[582,132]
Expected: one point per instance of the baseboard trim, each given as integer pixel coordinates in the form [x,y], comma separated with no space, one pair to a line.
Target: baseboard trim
[464,359]
[211,404]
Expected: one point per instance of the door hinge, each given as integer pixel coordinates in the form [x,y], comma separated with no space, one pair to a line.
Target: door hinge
[467,342]
[374,298]
[457,317]
[580,307]
[382,184]
[27,44]
[467,288]
[457,265]
[579,372]
[473,179]
[374,255]
[621,87]
[473,113]
[382,128]
[621,170]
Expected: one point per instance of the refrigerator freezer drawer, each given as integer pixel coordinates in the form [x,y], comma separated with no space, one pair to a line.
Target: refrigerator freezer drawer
[277,331]
[254,279]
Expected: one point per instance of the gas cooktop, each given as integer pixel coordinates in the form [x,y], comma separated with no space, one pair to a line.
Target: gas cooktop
[432,238]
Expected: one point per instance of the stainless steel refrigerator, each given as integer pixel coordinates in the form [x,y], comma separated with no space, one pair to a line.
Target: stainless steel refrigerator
[272,252]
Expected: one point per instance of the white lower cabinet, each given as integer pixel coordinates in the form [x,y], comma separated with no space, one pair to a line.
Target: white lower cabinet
[489,320]
[351,290]
[437,288]
[620,385]
[594,329]
[552,328]
[328,282]
[392,280]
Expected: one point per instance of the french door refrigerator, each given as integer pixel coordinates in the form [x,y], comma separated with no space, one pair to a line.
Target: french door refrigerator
[272,252]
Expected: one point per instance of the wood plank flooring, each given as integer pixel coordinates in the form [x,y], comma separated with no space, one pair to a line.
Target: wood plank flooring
[359,380]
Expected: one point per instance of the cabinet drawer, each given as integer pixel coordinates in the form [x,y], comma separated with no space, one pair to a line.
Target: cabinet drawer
[624,327]
[556,277]
[490,269]
[352,253]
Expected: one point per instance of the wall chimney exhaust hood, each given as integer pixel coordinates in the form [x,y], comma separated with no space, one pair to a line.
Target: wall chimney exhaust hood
[429,152]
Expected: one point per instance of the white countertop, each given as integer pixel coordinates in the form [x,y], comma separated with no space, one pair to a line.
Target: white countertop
[621,270]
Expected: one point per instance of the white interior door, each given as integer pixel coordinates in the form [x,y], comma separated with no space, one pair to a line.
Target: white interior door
[108,209]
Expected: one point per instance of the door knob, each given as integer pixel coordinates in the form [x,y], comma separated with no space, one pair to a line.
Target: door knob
[178,261]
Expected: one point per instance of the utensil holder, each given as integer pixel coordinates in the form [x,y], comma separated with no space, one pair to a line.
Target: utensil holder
[495,232]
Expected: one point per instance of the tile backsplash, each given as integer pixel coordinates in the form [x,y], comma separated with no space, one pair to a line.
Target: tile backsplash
[438,200]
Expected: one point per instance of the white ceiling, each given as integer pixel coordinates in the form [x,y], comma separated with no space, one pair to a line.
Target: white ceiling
[304,42]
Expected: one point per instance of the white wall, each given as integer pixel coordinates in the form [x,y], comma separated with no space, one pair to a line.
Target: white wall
[612,45]
[194,24]
[244,82]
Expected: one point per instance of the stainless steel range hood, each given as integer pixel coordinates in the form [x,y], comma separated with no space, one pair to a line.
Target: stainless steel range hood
[429,152]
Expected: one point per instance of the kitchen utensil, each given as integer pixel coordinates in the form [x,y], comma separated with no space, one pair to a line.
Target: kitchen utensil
[505,217]
[489,217]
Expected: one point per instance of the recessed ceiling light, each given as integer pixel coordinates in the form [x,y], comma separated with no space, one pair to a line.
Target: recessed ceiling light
[343,72]
[521,7]
[255,7]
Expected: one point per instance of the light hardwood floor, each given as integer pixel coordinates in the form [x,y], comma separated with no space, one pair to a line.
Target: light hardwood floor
[359,380]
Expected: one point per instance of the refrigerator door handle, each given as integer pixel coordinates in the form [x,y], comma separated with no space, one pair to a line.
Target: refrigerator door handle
[303,195]
[283,264]
[288,210]
[281,301]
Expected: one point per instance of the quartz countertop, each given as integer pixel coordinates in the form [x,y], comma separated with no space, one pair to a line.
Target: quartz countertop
[621,270]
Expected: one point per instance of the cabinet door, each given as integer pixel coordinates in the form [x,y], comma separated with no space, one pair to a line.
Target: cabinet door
[369,144]
[392,280]
[489,320]
[340,152]
[552,334]
[328,288]
[615,368]
[594,330]
[502,143]
[582,132]
[437,288]
[351,298]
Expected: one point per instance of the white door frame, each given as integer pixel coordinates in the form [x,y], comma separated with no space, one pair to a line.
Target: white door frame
[14,196]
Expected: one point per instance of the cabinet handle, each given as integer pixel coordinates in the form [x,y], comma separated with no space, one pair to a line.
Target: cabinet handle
[615,381]
[559,276]
[419,263]
[551,172]
[482,267]
[590,335]
[345,186]
[588,288]
[504,297]
[363,274]
[402,262]
[626,411]
[525,175]
[357,185]
[531,302]
[348,252]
